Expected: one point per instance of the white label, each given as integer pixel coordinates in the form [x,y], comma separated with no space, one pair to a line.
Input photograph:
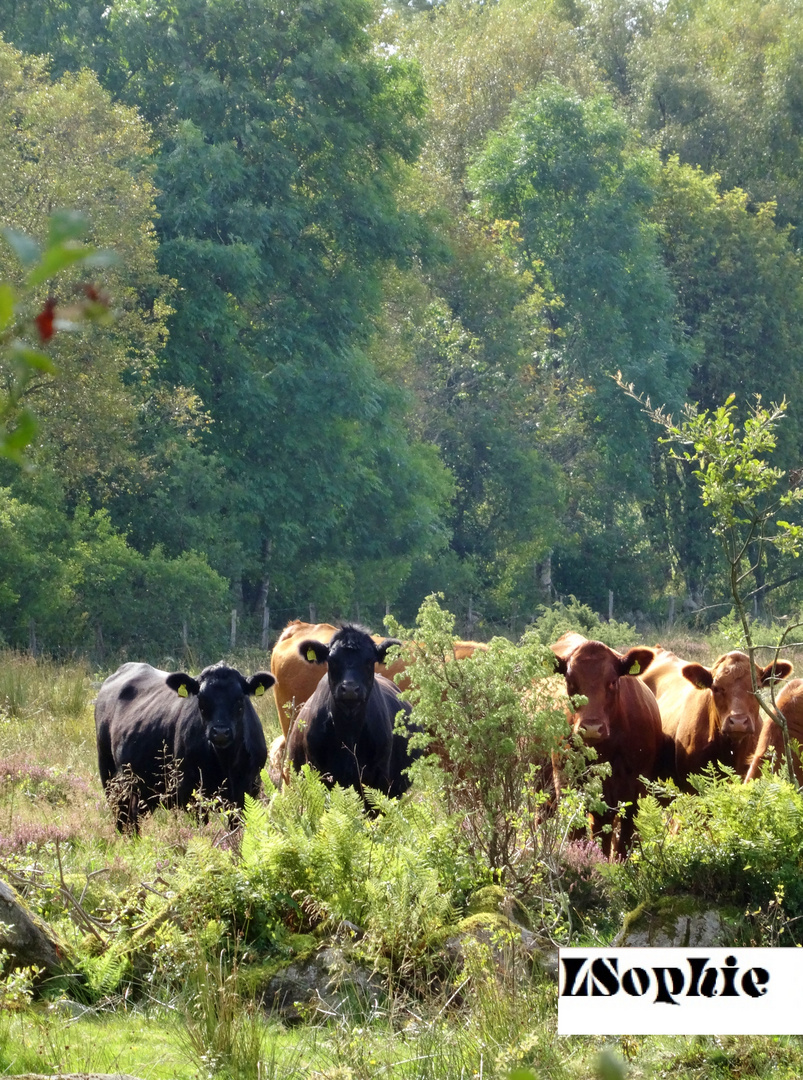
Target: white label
[680,991]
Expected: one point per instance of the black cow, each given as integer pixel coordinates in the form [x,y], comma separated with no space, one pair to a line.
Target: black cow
[163,736]
[345,730]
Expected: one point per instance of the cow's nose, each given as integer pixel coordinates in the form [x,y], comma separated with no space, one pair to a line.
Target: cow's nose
[349,691]
[740,724]
[220,736]
[592,730]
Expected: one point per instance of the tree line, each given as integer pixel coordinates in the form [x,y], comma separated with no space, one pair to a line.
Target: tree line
[378,270]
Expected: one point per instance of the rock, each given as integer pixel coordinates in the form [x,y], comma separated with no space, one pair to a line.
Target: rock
[323,981]
[514,949]
[27,939]
[680,922]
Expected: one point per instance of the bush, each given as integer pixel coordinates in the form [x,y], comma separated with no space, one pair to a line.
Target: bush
[315,855]
[75,583]
[554,621]
[727,843]
[495,720]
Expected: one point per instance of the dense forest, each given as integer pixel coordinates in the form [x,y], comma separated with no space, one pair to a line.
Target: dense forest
[377,269]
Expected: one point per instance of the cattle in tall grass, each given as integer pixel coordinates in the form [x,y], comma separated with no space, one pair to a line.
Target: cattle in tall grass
[163,736]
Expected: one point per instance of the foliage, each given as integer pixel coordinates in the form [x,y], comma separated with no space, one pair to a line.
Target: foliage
[399,876]
[76,583]
[21,362]
[742,491]
[477,61]
[552,622]
[493,721]
[727,842]
[66,145]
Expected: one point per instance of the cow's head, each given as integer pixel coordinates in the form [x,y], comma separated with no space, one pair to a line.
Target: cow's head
[221,692]
[731,689]
[593,670]
[351,655]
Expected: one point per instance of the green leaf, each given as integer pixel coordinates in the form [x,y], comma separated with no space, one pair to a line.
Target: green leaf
[33,358]
[24,247]
[14,442]
[65,225]
[7,299]
[56,259]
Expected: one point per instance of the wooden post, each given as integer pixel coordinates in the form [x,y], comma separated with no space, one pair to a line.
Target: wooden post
[233,639]
[610,604]
[670,615]
[313,618]
[265,626]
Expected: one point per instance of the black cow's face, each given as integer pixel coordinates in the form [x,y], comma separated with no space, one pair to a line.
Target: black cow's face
[221,693]
[351,656]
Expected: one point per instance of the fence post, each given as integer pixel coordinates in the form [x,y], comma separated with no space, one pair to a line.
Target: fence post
[233,640]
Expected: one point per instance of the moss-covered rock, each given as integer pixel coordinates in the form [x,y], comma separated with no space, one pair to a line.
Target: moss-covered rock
[515,950]
[681,922]
[492,899]
[326,979]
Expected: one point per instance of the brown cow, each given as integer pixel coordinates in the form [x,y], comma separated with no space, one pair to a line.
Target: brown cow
[620,720]
[710,713]
[790,703]
[297,680]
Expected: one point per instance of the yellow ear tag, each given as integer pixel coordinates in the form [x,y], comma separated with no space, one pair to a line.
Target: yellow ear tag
[183,691]
[635,669]
[311,656]
[260,690]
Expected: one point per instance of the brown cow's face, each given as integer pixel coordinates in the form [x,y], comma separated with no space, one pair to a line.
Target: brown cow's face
[593,671]
[731,689]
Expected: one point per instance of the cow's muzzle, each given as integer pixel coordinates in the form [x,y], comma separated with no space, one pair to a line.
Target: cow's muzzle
[350,694]
[736,727]
[221,737]
[591,730]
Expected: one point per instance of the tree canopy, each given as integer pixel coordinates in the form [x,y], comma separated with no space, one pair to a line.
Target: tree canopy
[378,270]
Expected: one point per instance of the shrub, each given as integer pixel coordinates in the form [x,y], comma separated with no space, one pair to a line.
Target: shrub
[554,621]
[315,853]
[495,720]
[727,842]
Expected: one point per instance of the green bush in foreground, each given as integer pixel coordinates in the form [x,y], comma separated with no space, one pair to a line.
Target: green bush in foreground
[728,842]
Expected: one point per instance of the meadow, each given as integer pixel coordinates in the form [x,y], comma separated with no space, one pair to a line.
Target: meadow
[176,934]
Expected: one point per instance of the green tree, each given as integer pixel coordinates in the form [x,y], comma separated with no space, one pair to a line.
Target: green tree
[65,144]
[747,506]
[741,338]
[282,132]
[720,85]
[573,178]
[477,59]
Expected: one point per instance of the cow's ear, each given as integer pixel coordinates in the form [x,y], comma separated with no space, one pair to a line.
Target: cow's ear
[783,669]
[561,664]
[314,652]
[259,683]
[636,661]
[698,676]
[184,685]
[383,646]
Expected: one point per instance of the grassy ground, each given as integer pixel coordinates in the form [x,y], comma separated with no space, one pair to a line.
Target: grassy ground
[59,847]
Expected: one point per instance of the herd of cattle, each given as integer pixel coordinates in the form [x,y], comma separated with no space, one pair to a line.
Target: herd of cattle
[164,736]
